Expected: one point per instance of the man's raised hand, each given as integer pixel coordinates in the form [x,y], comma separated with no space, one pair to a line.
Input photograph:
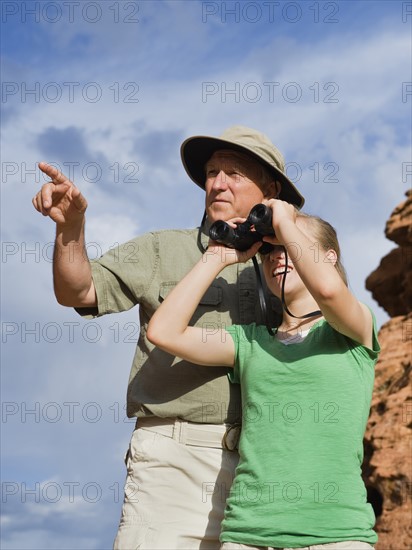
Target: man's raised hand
[59,199]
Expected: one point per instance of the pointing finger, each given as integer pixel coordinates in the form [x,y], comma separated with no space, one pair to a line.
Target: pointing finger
[56,175]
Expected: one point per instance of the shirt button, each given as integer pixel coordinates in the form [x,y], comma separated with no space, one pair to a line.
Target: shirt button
[246,293]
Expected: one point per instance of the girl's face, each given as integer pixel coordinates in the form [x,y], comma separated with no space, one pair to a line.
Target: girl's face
[274,265]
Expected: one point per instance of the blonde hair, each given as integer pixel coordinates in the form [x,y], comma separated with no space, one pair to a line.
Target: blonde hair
[325,235]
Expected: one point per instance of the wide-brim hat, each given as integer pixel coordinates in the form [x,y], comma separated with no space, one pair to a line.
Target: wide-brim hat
[197,150]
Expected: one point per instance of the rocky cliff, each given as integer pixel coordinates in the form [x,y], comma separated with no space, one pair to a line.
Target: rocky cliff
[388,451]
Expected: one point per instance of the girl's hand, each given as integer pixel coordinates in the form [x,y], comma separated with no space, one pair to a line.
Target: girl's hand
[229,256]
[283,213]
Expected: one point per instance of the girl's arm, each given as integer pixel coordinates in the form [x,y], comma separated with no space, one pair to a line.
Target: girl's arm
[338,305]
[168,328]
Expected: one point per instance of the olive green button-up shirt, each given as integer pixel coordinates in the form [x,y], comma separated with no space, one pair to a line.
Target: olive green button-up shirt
[142,272]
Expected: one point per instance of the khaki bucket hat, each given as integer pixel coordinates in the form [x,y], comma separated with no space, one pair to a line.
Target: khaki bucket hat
[197,150]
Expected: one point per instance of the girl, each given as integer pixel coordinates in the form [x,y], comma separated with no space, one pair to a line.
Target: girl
[306,391]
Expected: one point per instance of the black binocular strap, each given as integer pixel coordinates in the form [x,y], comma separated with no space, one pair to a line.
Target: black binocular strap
[312,313]
[199,234]
[262,299]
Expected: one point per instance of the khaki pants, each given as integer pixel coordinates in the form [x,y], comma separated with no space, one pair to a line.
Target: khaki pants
[345,545]
[176,487]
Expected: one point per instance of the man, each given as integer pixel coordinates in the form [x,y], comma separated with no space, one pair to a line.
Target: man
[182,454]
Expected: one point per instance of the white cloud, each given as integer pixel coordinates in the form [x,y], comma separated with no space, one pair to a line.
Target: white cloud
[100,231]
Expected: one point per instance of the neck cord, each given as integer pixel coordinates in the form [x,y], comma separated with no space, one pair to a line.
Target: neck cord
[308,315]
[262,299]
[199,234]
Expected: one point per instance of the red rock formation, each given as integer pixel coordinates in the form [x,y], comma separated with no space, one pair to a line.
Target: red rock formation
[388,452]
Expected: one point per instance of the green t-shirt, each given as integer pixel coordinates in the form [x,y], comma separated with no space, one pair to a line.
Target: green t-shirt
[305,408]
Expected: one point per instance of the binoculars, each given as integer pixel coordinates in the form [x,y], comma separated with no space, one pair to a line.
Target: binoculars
[242,237]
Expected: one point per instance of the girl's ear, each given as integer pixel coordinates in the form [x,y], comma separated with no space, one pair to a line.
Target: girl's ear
[331,256]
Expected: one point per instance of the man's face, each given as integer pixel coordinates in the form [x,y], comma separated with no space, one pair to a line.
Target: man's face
[231,185]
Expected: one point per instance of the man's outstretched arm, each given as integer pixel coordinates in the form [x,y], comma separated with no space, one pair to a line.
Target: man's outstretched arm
[63,202]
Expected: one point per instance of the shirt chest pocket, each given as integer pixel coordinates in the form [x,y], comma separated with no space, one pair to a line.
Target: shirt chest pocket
[208,310]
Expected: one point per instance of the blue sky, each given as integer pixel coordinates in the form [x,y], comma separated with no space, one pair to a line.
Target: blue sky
[109,90]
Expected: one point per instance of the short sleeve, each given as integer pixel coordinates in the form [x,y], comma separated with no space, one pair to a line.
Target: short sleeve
[122,275]
[365,357]
[376,348]
[371,354]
